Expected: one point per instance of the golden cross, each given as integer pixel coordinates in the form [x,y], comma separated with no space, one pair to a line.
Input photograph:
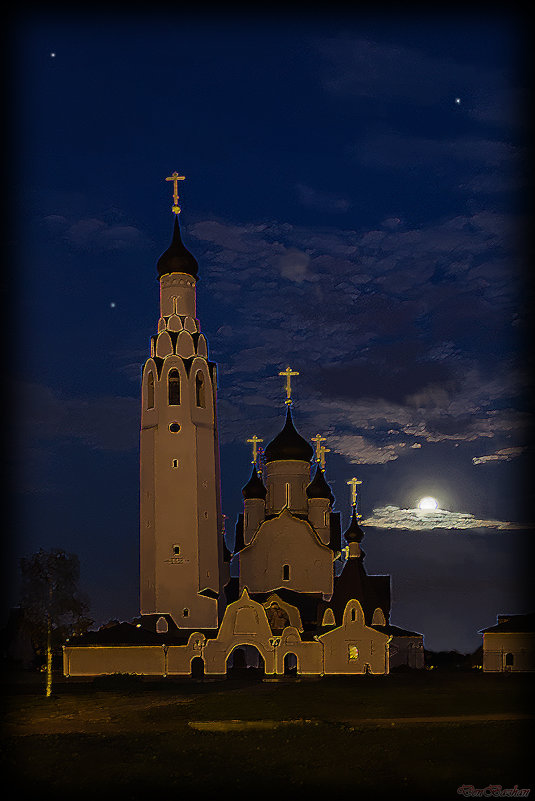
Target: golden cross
[322,451]
[175,177]
[353,484]
[288,373]
[255,440]
[318,439]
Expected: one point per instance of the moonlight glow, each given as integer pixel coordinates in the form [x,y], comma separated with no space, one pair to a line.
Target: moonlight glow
[428,503]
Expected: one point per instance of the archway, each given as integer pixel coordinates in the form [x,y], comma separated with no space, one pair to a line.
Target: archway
[197,667]
[290,664]
[245,661]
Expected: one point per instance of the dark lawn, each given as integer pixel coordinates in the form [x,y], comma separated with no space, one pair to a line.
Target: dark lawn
[91,743]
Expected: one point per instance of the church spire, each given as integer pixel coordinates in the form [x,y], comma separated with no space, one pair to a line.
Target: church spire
[177,258]
[288,444]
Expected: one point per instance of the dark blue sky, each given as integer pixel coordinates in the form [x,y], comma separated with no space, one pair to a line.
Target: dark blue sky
[355,198]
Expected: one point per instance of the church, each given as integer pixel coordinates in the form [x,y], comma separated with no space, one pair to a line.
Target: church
[299,601]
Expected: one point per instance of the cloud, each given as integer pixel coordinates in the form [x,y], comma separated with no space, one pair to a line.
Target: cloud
[423,520]
[503,455]
[293,264]
[91,233]
[383,72]
[319,199]
[103,422]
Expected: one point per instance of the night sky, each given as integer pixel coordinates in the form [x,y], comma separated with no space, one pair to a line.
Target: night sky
[355,196]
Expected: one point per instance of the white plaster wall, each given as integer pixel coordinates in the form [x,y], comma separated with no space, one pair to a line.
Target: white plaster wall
[289,540]
[496,645]
[99,660]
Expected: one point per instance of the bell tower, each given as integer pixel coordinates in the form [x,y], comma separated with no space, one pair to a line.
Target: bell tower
[181,537]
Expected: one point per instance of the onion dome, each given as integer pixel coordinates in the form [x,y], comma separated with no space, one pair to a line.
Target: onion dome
[177,259]
[354,533]
[288,445]
[254,487]
[318,487]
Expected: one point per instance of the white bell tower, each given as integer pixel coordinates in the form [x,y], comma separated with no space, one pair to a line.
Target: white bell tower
[181,534]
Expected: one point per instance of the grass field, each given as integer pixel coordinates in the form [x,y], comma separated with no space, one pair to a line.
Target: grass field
[412,736]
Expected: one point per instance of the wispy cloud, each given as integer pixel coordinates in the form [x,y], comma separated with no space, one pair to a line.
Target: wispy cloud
[91,233]
[358,67]
[102,422]
[423,520]
[502,455]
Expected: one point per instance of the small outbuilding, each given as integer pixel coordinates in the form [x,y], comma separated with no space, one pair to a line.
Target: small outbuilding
[509,646]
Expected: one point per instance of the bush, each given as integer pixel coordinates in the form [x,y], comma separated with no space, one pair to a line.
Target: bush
[118,682]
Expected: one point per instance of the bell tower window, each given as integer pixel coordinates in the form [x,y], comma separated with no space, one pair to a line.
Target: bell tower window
[173,388]
[150,391]
[199,390]
[286,572]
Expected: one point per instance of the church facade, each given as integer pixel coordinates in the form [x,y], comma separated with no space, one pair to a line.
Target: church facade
[299,600]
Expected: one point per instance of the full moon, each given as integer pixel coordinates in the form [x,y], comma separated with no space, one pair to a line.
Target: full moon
[428,503]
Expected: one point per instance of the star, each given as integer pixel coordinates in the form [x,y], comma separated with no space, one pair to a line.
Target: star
[458,101]
[52,55]
[112,304]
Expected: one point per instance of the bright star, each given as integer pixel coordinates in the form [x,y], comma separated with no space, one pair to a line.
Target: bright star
[458,101]
[52,55]
[112,304]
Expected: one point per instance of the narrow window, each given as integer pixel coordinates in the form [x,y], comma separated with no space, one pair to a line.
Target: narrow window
[353,614]
[509,660]
[199,390]
[175,462]
[185,612]
[176,549]
[288,495]
[173,388]
[150,391]
[286,572]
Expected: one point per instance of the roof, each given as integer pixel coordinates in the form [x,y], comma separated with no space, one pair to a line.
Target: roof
[318,487]
[354,533]
[353,583]
[139,633]
[177,259]
[288,445]
[395,631]
[513,623]
[255,487]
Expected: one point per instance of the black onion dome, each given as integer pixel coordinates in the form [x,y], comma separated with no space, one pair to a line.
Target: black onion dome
[255,487]
[288,445]
[318,487]
[354,533]
[177,259]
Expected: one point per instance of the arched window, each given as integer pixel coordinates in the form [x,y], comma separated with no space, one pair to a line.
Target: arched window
[353,614]
[509,660]
[173,388]
[286,572]
[150,391]
[199,390]
[161,625]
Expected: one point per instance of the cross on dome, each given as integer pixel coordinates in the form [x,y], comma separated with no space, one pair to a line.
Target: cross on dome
[353,484]
[175,177]
[254,440]
[288,373]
